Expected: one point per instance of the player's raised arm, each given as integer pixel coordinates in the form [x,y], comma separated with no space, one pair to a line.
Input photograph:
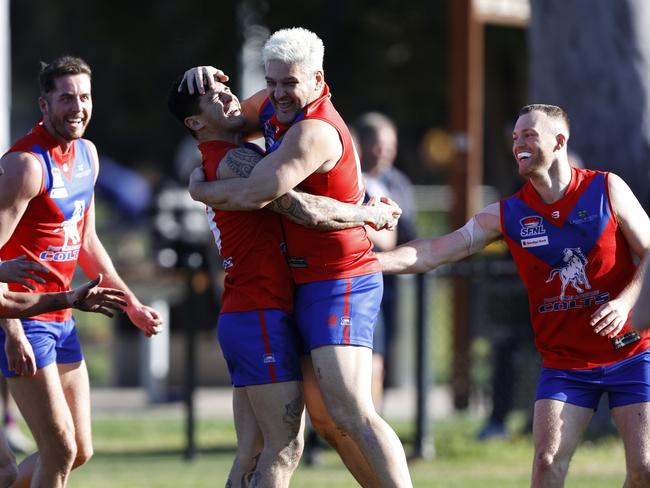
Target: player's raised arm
[424,255]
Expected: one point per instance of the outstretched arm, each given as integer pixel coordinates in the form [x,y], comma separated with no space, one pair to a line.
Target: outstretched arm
[87,297]
[426,254]
[609,318]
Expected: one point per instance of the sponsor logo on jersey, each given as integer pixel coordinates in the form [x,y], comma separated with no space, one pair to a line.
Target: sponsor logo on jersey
[58,185]
[533,231]
[346,320]
[82,169]
[572,272]
[583,218]
[269,358]
[227,263]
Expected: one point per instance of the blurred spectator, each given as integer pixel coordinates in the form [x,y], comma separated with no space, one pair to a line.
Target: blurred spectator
[125,188]
[376,138]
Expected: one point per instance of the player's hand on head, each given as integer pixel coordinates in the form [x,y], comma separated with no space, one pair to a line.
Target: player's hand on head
[89,297]
[610,318]
[145,318]
[21,270]
[20,355]
[197,78]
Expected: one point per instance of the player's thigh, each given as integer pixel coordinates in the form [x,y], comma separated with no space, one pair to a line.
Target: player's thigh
[43,404]
[249,435]
[278,409]
[633,422]
[558,427]
[344,375]
[76,388]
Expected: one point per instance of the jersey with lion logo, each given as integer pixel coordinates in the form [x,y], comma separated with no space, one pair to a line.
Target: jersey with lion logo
[572,257]
[51,229]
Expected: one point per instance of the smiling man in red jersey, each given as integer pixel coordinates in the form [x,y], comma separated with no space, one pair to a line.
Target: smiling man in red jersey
[572,233]
[256,331]
[47,213]
[338,279]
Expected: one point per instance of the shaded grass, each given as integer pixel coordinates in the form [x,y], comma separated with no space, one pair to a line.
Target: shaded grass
[148,451]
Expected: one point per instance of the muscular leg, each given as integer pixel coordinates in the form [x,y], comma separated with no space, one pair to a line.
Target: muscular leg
[557,428]
[76,388]
[633,422]
[249,440]
[42,402]
[8,468]
[344,377]
[278,409]
[328,430]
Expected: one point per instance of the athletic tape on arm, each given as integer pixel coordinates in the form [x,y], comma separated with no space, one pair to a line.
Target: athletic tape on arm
[474,235]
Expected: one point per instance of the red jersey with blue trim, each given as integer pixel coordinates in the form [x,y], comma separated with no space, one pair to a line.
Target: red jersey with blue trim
[572,257]
[51,229]
[252,247]
[315,255]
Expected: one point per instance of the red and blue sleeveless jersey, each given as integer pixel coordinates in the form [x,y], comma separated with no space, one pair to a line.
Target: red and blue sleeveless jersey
[51,229]
[315,255]
[251,245]
[572,257]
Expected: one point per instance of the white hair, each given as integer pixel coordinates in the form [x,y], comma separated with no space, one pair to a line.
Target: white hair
[295,46]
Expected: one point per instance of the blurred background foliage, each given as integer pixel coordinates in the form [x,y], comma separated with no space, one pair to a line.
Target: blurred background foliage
[379,55]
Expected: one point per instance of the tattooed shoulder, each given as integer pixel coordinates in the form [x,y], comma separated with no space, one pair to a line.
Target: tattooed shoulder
[238,162]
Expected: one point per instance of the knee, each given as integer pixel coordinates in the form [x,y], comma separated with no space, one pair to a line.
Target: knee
[549,465]
[60,453]
[639,475]
[349,419]
[288,456]
[84,453]
[8,474]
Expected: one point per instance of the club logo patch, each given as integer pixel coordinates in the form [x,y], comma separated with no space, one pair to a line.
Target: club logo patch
[533,231]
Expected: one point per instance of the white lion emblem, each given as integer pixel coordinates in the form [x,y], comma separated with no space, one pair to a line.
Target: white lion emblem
[70,227]
[573,272]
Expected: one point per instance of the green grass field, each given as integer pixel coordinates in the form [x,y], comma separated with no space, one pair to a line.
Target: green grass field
[147,451]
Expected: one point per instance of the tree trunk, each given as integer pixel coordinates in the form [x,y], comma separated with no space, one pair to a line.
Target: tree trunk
[591,57]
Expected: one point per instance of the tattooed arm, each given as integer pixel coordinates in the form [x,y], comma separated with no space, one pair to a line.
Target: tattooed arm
[318,212]
[324,213]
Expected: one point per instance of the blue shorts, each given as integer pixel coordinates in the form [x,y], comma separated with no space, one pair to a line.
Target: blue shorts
[625,383]
[260,347]
[51,342]
[338,311]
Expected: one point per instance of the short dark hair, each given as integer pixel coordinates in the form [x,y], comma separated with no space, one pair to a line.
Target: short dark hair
[182,104]
[61,66]
[369,124]
[552,111]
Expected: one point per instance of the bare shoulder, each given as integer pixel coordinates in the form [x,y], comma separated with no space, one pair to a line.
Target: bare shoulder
[316,140]
[621,196]
[238,162]
[22,172]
